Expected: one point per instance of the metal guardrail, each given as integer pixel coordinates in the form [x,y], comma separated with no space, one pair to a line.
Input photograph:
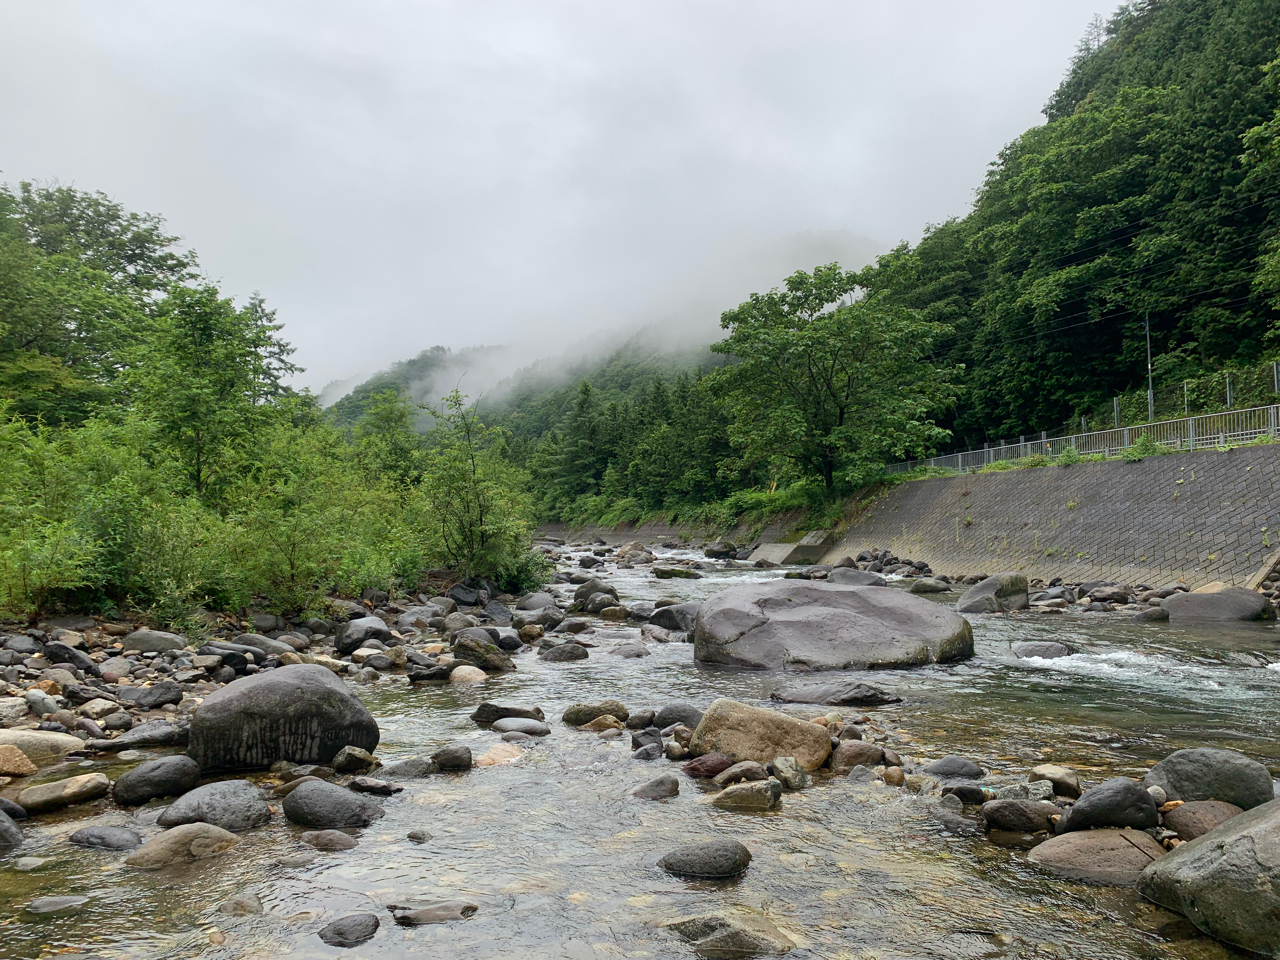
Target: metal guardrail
[1188,433]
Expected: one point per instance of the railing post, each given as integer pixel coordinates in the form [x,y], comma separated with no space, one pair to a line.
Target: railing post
[1191,434]
[1116,409]
[1271,420]
[1230,396]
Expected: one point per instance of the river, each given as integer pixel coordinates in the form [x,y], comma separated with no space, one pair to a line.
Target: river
[562,861]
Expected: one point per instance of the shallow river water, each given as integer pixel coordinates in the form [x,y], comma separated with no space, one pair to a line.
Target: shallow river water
[562,861]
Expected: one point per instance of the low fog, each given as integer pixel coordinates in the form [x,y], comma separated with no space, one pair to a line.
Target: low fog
[552,176]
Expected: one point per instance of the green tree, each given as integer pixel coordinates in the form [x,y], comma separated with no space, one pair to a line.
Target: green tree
[208,376]
[827,387]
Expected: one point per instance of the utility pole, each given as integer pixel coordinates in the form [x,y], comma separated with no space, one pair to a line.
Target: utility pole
[1151,394]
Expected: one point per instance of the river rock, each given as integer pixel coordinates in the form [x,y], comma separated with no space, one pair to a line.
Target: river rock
[241,905]
[301,713]
[1198,817]
[184,844]
[742,733]
[489,712]
[476,647]
[154,733]
[1226,881]
[678,712]
[14,763]
[11,809]
[413,768]
[713,859]
[834,693]
[327,806]
[996,594]
[746,770]
[928,585]
[534,728]
[564,653]
[658,788]
[1229,604]
[353,760]
[169,776]
[422,912]
[41,746]
[581,714]
[1064,780]
[56,904]
[823,626]
[357,632]
[851,577]
[750,795]
[10,833]
[1019,816]
[953,767]
[153,641]
[454,758]
[1109,857]
[1207,773]
[106,838]
[735,934]
[329,841]
[1119,802]
[707,766]
[265,644]
[602,725]
[235,805]
[464,674]
[854,753]
[64,793]
[679,617]
[591,587]
[350,931]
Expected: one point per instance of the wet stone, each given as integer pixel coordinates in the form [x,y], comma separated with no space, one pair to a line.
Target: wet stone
[720,858]
[329,840]
[350,931]
[106,838]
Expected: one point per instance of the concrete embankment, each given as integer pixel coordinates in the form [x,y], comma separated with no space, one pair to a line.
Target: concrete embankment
[1197,517]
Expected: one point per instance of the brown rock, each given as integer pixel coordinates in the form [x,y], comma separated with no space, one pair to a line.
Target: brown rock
[64,793]
[191,841]
[894,776]
[14,763]
[1109,857]
[742,733]
[707,766]
[1197,817]
[607,722]
[851,753]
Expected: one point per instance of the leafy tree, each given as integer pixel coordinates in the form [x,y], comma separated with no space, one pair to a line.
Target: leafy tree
[208,376]
[827,385]
[387,443]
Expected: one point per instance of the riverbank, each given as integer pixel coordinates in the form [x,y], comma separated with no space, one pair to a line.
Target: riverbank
[561,861]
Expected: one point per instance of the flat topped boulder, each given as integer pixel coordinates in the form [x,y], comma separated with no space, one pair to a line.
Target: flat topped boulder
[740,732]
[1225,605]
[1209,773]
[300,712]
[824,626]
[834,693]
[999,593]
[1226,881]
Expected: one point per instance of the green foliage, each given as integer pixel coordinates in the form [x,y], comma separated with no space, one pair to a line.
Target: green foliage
[1149,195]
[1143,447]
[1068,456]
[827,387]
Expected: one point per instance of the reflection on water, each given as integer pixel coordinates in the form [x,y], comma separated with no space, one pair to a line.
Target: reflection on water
[562,861]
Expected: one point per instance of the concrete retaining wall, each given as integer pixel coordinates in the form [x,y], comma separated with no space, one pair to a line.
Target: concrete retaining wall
[1197,517]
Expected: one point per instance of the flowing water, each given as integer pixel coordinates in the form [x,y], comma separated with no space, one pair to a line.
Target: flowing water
[562,861]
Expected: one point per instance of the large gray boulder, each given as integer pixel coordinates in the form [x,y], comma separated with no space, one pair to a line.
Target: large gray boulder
[300,712]
[1207,773]
[834,693]
[681,617]
[824,626]
[742,733]
[996,594]
[327,806]
[235,805]
[1227,881]
[1226,605]
[353,636]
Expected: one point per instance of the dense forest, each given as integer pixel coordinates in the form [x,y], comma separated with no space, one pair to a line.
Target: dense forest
[1149,196]
[153,458]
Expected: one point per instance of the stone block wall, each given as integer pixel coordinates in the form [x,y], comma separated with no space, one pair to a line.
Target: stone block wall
[1196,517]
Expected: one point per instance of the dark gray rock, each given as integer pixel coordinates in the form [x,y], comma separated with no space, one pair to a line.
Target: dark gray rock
[300,712]
[474,646]
[153,641]
[1000,593]
[720,858]
[327,806]
[12,810]
[106,838]
[1231,604]
[650,751]
[658,788]
[412,769]
[10,833]
[953,767]
[158,695]
[330,841]
[1019,816]
[534,728]
[453,758]
[234,805]
[630,651]
[1207,773]
[166,777]
[583,713]
[565,653]
[154,733]
[591,587]
[835,693]
[852,577]
[353,635]
[822,626]
[678,712]
[1227,881]
[681,617]
[61,653]
[1119,802]
[265,644]
[350,931]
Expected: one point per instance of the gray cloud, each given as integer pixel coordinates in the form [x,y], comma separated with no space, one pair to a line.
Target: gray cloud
[393,175]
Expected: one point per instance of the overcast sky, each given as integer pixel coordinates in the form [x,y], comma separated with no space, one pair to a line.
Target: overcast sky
[392,175]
